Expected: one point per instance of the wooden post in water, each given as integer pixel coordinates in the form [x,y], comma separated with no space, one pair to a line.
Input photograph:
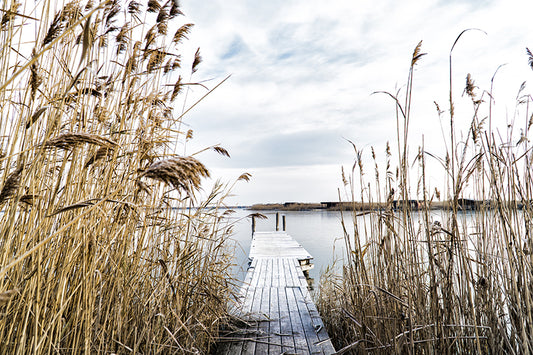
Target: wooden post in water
[253,225]
[283,222]
[277,221]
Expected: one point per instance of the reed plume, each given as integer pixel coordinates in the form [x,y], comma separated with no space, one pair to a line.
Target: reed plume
[417,54]
[11,184]
[93,259]
[197,60]
[423,276]
[222,151]
[71,139]
[175,9]
[182,33]
[134,7]
[153,6]
[9,15]
[529,57]
[101,153]
[183,173]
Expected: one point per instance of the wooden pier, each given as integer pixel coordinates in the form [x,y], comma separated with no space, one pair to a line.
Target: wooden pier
[275,303]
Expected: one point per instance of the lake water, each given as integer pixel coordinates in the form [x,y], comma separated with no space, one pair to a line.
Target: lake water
[319,232]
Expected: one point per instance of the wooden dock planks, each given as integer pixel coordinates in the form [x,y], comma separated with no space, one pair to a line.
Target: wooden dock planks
[276,304]
[277,244]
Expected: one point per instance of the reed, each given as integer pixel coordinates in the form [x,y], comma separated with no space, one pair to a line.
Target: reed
[422,283]
[98,251]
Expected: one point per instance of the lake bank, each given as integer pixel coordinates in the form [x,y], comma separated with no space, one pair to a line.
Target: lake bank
[414,205]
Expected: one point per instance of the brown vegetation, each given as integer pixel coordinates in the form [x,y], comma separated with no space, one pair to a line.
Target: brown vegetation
[417,285]
[98,252]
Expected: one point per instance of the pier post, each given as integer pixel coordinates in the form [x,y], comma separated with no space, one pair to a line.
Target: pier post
[253,225]
[277,221]
[283,222]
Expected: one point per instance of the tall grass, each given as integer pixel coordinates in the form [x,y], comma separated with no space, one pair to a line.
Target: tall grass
[94,255]
[461,282]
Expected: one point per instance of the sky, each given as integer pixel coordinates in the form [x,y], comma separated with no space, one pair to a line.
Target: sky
[303,73]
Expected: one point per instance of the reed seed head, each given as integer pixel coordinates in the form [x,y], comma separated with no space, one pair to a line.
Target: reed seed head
[246,177]
[469,88]
[529,58]
[177,89]
[417,54]
[153,6]
[183,173]
[182,32]
[70,140]
[197,60]
[222,151]
[101,153]
[9,15]
[175,9]
[11,185]
[134,8]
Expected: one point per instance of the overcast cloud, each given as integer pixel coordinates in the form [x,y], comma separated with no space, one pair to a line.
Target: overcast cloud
[303,73]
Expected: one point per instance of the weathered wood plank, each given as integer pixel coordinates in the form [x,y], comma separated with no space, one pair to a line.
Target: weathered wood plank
[275,302]
[275,327]
[310,331]
[264,324]
[277,244]
[287,336]
[275,272]
[249,346]
[245,299]
[296,322]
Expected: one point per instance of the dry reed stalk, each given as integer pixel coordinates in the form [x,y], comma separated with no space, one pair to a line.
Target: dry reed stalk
[85,249]
[414,284]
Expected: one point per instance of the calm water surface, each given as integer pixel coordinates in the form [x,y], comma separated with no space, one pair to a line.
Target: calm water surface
[319,232]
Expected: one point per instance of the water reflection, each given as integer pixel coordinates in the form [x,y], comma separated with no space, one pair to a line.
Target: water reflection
[321,233]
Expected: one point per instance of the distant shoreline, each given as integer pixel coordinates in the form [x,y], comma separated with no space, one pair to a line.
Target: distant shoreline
[414,205]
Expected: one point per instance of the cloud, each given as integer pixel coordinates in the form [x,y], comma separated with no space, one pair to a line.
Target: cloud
[303,74]
[236,48]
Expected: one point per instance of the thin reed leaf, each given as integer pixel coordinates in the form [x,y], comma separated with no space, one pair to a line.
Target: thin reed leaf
[87,40]
[36,116]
